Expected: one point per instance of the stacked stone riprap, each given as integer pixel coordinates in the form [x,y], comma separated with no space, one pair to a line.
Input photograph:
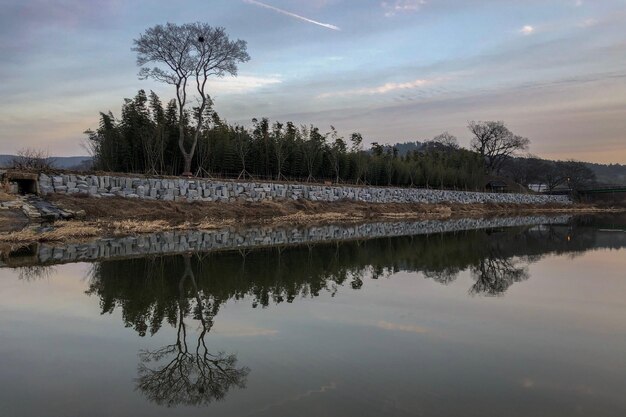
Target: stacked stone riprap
[209,190]
[164,243]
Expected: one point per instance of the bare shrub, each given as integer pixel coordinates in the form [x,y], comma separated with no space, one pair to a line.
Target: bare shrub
[32,159]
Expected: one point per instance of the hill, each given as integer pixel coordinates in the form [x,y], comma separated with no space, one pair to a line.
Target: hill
[61,162]
[609,174]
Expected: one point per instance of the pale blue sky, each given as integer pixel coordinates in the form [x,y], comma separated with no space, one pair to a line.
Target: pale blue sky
[395,70]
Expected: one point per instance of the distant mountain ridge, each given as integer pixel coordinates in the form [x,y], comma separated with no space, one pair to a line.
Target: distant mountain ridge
[61,162]
[609,173]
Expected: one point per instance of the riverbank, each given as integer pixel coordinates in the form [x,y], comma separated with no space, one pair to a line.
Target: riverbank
[247,238]
[118,216]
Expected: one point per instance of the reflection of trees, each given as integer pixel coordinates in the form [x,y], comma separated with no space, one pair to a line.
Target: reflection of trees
[149,293]
[444,276]
[189,375]
[184,372]
[284,274]
[494,275]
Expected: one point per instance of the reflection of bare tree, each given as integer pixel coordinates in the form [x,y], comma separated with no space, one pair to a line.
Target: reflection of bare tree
[193,376]
[445,276]
[494,275]
[35,272]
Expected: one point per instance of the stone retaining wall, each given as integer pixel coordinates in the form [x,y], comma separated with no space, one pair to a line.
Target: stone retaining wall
[164,243]
[210,190]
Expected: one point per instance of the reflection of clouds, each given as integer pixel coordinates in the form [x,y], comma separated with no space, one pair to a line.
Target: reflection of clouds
[380,324]
[324,388]
[409,328]
[244,331]
[579,389]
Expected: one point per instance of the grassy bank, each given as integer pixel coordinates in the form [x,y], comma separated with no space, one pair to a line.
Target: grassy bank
[118,216]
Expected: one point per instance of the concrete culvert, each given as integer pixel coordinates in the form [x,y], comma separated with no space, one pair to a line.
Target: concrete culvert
[23,182]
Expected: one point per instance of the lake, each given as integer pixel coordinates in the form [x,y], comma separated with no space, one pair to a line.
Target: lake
[503,317]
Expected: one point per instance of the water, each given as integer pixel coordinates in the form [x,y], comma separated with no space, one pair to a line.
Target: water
[517,321]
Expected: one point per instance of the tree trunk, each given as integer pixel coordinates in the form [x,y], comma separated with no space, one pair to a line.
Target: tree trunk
[187,169]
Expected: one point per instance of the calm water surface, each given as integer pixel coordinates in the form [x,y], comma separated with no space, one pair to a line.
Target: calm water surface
[511,322]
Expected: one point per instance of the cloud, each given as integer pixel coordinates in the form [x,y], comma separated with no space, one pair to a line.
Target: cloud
[527,30]
[401,6]
[587,23]
[286,13]
[381,89]
[242,83]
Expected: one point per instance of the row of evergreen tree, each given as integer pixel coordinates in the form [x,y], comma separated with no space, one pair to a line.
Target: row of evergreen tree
[145,140]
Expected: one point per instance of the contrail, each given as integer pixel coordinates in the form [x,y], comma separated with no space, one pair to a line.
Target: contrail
[285,12]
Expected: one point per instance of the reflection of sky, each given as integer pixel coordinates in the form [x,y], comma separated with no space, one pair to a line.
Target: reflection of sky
[402,345]
[396,70]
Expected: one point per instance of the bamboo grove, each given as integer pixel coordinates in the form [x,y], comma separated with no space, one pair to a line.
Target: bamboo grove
[144,139]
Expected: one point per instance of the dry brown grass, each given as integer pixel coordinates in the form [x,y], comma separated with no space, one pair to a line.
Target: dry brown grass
[171,214]
[62,231]
[4,196]
[119,216]
[129,227]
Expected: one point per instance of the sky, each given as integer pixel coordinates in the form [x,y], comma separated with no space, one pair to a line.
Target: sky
[395,70]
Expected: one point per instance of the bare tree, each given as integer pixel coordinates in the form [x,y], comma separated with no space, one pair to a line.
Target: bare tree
[357,149]
[311,148]
[577,174]
[446,139]
[551,175]
[573,174]
[242,147]
[280,148]
[32,159]
[337,148]
[185,54]
[495,143]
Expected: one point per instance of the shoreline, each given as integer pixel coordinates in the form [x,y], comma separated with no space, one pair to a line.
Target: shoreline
[142,216]
[253,237]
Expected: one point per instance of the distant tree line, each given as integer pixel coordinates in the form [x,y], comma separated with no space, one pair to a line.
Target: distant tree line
[145,139]
[549,175]
[155,138]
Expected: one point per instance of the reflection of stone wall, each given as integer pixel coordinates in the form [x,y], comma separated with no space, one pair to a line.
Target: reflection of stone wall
[230,238]
[209,190]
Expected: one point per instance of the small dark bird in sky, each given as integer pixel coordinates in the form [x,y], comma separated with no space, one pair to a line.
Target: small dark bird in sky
[200,39]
